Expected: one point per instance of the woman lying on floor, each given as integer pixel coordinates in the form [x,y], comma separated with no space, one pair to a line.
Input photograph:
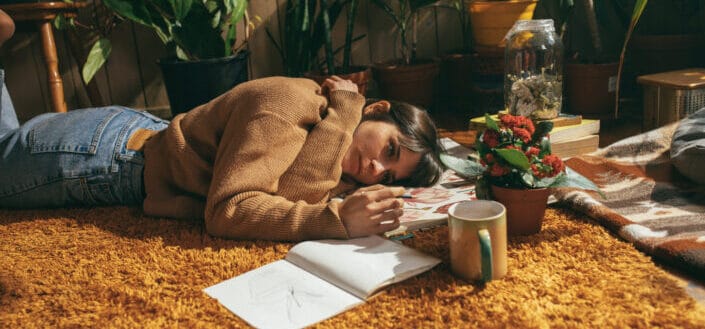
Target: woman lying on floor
[261,161]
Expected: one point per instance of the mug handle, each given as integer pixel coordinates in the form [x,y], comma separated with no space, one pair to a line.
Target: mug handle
[483,236]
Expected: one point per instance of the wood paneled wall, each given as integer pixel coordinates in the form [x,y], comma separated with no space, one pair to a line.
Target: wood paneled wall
[132,77]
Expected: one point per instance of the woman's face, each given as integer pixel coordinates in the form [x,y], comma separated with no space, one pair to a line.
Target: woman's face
[376,157]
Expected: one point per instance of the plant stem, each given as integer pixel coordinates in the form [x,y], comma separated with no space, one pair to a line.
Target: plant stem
[326,35]
[352,13]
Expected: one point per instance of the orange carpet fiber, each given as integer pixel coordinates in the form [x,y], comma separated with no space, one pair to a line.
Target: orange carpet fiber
[113,267]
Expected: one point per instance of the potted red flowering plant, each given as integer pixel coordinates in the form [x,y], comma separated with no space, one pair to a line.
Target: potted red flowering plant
[517,155]
[517,169]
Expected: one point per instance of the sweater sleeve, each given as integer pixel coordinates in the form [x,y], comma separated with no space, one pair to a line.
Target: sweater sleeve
[326,144]
[246,206]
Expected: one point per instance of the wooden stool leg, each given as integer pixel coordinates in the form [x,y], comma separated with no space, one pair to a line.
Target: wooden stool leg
[56,86]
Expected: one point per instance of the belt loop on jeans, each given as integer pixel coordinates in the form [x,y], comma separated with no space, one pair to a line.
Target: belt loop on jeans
[138,138]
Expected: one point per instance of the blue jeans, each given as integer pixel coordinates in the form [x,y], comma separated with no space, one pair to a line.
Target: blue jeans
[8,117]
[79,158]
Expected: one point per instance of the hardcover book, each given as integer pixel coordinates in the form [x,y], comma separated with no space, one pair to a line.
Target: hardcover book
[577,146]
[560,133]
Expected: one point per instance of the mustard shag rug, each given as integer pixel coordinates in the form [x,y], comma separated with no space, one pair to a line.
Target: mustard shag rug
[114,267]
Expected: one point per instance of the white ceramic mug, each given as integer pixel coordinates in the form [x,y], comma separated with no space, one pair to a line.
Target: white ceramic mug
[477,234]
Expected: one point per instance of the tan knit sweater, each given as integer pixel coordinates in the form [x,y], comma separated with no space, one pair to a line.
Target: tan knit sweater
[259,162]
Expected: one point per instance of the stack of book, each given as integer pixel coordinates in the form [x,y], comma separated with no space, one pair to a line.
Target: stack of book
[571,135]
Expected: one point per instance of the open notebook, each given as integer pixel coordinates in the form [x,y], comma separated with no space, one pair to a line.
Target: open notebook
[317,280]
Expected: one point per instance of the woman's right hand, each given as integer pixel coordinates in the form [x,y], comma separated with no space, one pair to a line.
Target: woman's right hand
[337,83]
[372,210]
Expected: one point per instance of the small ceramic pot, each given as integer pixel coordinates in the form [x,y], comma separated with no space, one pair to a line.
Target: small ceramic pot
[525,208]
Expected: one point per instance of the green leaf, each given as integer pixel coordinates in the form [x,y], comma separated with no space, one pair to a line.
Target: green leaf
[60,22]
[181,54]
[515,157]
[463,167]
[238,11]
[96,58]
[529,180]
[638,10]
[572,178]
[491,124]
[180,8]
[549,181]
[210,5]
[236,8]
[133,10]
[215,20]
[197,38]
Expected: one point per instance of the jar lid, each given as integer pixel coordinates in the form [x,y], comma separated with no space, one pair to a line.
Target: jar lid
[531,25]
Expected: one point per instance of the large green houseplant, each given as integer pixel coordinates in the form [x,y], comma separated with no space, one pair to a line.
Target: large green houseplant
[307,46]
[595,35]
[407,78]
[200,35]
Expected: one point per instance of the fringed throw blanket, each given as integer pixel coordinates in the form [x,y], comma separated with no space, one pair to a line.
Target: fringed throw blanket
[645,200]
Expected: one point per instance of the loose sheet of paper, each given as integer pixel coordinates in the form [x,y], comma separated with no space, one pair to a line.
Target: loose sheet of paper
[281,295]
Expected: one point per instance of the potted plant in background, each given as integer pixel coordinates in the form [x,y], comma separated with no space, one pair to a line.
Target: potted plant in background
[456,65]
[517,169]
[361,75]
[490,20]
[205,59]
[407,78]
[594,37]
[308,33]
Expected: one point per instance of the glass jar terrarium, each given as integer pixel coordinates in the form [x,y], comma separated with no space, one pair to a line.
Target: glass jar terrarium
[533,70]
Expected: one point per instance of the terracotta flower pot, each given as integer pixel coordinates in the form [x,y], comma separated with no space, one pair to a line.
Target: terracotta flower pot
[359,75]
[590,89]
[413,83]
[525,208]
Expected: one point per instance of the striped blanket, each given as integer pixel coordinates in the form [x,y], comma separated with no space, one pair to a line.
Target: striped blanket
[646,201]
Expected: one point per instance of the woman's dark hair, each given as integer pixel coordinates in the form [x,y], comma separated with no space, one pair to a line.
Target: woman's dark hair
[418,134]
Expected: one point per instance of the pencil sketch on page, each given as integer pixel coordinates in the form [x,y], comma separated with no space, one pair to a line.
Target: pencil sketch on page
[281,295]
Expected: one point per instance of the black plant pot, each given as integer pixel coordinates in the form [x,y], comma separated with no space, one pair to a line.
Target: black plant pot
[192,83]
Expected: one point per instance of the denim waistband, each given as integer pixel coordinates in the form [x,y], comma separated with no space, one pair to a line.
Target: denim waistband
[76,158]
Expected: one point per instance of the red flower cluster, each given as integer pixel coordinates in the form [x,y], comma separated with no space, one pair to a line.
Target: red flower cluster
[494,167]
[549,166]
[515,133]
[521,127]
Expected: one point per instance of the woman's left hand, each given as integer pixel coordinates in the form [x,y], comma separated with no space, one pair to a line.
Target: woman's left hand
[337,83]
[372,210]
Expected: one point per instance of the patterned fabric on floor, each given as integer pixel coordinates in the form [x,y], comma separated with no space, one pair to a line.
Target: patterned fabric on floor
[646,202]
